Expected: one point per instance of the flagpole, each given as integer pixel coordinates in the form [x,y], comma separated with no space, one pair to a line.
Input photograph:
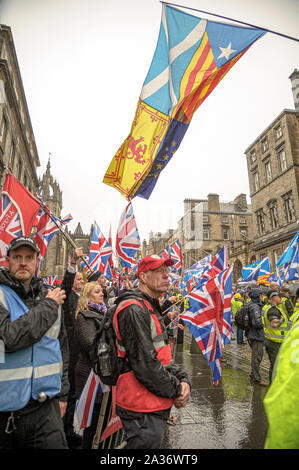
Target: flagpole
[285,275]
[232,19]
[64,234]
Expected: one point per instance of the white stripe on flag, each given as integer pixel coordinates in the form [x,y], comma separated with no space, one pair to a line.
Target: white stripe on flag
[85,404]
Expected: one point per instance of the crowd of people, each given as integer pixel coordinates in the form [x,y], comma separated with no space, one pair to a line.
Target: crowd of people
[273,313]
[47,337]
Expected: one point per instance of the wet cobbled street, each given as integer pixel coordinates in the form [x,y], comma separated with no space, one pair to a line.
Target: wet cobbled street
[228,416]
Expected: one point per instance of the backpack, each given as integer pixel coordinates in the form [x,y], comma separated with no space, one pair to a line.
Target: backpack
[105,361]
[242,319]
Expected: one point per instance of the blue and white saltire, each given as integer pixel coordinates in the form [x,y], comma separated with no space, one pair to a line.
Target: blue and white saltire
[200,265]
[289,252]
[252,271]
[288,271]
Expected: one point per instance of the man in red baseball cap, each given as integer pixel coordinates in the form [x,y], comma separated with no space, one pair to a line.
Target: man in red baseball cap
[153,383]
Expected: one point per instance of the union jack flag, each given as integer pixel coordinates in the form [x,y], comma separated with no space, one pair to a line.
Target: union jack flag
[100,250]
[127,238]
[209,318]
[50,280]
[176,255]
[216,266]
[18,210]
[45,231]
[166,252]
[94,251]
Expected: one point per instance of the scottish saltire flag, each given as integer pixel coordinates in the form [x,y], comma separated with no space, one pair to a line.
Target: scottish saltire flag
[251,272]
[200,265]
[18,211]
[191,57]
[127,238]
[176,255]
[288,271]
[209,318]
[289,252]
[85,404]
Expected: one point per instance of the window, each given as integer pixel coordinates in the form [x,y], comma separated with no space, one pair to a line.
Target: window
[253,156]
[268,171]
[3,130]
[242,220]
[265,145]
[276,255]
[272,206]
[278,132]
[225,219]
[205,218]
[255,181]
[260,219]
[206,233]
[12,153]
[289,207]
[282,160]
[225,232]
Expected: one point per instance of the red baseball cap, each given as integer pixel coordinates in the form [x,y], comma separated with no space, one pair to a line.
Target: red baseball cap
[151,262]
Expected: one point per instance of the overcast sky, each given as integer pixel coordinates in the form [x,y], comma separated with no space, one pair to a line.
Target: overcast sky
[83,63]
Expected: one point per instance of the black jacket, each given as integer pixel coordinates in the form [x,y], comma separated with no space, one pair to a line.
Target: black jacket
[31,327]
[86,329]
[134,327]
[256,330]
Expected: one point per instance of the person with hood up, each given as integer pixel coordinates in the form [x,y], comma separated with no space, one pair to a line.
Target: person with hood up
[255,335]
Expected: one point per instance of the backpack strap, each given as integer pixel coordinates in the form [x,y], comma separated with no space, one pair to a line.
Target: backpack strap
[121,306]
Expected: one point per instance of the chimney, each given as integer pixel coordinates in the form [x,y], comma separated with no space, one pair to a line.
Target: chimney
[213,202]
[241,201]
[294,77]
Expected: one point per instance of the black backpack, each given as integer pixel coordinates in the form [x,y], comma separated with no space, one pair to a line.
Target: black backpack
[105,362]
[242,319]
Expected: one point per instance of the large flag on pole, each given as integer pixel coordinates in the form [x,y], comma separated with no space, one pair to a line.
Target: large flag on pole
[209,318]
[127,238]
[289,252]
[18,211]
[191,58]
[252,271]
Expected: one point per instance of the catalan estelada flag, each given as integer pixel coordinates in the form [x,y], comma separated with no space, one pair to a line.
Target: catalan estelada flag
[191,57]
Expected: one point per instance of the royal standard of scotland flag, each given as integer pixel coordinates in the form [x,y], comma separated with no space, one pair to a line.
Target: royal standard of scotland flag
[191,58]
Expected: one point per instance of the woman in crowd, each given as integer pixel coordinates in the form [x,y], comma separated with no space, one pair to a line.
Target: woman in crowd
[89,313]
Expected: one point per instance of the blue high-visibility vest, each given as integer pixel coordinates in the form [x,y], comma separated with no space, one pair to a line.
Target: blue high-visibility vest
[28,372]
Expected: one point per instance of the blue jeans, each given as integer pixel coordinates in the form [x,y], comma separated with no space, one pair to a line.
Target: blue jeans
[240,337]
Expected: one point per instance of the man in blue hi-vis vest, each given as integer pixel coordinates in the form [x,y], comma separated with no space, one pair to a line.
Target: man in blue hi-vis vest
[32,377]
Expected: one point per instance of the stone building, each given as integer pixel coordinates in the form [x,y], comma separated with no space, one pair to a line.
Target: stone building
[18,150]
[208,224]
[273,169]
[55,260]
